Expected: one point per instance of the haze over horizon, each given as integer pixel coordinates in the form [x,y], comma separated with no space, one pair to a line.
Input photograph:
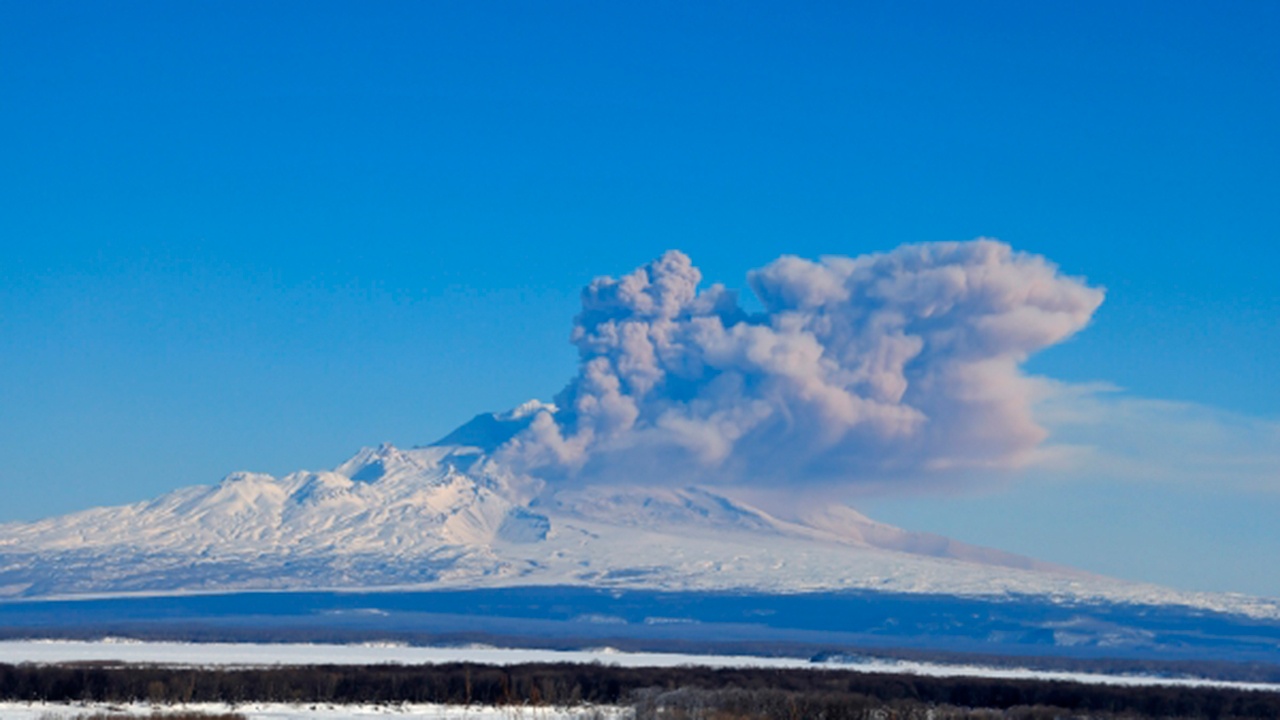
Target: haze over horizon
[260,245]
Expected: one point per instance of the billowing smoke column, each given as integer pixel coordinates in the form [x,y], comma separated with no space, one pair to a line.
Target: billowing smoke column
[881,365]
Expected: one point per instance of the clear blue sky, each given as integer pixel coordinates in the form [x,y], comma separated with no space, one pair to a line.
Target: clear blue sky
[261,235]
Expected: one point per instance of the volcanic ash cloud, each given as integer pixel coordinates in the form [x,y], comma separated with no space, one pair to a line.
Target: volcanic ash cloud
[887,365]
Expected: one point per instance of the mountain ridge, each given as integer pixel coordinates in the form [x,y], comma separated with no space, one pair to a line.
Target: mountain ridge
[451,516]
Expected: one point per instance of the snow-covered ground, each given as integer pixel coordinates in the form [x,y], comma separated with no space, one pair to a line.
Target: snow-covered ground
[281,711]
[251,655]
[451,517]
[248,654]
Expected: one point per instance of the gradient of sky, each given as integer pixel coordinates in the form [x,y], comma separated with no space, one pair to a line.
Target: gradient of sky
[261,235]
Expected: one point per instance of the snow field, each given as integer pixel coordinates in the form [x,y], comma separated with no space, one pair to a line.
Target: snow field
[281,711]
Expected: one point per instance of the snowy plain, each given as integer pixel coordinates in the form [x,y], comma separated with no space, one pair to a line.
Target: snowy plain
[282,711]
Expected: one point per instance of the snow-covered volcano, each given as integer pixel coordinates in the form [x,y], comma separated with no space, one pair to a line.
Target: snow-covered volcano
[449,516]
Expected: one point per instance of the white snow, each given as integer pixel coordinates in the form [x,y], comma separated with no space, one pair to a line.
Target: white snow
[228,655]
[448,516]
[252,655]
[282,711]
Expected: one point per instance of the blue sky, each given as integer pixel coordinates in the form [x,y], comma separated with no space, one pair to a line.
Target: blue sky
[261,235]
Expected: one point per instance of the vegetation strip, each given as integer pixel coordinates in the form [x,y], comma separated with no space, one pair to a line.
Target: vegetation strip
[654,692]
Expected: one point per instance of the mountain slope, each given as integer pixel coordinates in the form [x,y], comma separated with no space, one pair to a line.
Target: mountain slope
[449,516]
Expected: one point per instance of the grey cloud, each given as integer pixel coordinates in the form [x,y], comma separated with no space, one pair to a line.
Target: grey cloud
[898,363]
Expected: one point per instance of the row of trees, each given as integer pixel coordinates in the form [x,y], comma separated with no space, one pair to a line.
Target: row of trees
[654,692]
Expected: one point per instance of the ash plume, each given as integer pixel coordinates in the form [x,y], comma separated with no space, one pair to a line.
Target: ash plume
[885,365]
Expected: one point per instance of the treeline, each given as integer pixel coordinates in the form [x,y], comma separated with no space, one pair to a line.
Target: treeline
[686,692]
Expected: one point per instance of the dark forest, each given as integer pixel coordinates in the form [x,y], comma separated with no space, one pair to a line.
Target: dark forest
[686,692]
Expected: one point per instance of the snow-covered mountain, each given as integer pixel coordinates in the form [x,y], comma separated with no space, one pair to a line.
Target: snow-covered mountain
[449,516]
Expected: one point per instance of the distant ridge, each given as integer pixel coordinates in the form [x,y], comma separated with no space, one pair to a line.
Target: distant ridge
[451,516]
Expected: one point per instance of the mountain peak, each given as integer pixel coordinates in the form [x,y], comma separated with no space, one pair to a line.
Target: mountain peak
[488,431]
[449,515]
[371,464]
